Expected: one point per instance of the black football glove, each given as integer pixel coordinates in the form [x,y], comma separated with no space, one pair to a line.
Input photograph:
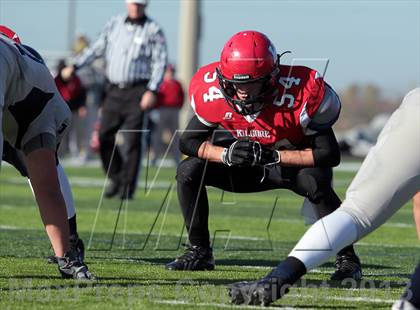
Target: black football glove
[268,157]
[249,153]
[239,153]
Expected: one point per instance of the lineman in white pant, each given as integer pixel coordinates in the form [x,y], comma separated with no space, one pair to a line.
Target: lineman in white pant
[388,178]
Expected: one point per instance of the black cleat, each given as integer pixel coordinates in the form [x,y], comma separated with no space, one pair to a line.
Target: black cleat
[76,246]
[112,189]
[270,288]
[52,259]
[70,267]
[126,193]
[347,266]
[194,258]
[262,292]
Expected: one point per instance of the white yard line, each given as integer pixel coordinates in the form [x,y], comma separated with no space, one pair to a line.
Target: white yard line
[300,296]
[214,305]
[344,166]
[86,181]
[99,182]
[234,237]
[352,299]
[8,227]
[277,219]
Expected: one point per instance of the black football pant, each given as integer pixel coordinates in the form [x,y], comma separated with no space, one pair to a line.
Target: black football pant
[121,110]
[313,183]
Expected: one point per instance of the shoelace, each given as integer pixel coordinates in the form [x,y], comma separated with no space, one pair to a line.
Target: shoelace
[190,253]
[344,263]
[72,263]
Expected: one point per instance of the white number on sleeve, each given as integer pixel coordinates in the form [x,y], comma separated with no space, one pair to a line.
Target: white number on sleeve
[209,79]
[214,93]
[285,98]
[288,82]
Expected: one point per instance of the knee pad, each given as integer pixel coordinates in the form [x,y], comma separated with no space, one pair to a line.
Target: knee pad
[190,170]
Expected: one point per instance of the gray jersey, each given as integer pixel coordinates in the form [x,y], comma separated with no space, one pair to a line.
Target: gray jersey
[390,174]
[30,104]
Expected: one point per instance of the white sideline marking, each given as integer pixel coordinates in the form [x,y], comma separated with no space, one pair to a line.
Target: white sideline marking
[86,181]
[99,182]
[351,166]
[279,219]
[367,244]
[8,227]
[313,271]
[357,299]
[215,305]
[313,297]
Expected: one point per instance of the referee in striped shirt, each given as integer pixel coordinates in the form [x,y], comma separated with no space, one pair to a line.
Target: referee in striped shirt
[134,49]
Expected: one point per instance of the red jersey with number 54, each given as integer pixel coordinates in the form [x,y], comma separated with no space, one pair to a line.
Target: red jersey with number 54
[282,121]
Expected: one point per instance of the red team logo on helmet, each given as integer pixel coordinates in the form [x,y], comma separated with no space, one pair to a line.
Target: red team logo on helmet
[248,57]
[9,33]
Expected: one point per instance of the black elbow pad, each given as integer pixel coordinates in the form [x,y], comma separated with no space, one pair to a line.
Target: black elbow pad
[188,145]
[325,149]
[15,158]
[193,136]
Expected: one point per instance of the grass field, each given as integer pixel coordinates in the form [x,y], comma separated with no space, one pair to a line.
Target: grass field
[251,233]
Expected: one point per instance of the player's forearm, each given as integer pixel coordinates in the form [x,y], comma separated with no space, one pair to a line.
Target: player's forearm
[210,152]
[416,212]
[43,175]
[301,158]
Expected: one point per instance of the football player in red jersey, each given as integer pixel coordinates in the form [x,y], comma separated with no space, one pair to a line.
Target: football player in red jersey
[280,118]
[372,198]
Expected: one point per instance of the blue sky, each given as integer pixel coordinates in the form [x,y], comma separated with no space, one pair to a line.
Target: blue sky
[365,41]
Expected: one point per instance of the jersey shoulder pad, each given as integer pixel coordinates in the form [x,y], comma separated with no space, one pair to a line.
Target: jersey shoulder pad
[205,96]
[328,111]
[305,75]
[310,83]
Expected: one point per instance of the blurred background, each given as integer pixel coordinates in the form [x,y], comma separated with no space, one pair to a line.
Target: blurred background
[369,51]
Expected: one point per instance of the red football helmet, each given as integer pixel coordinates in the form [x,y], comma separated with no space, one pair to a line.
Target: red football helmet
[247,57]
[9,33]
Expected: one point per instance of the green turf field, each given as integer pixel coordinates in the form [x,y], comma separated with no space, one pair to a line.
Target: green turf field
[251,232]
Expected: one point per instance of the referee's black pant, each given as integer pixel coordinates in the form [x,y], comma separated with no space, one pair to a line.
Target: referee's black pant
[121,110]
[194,174]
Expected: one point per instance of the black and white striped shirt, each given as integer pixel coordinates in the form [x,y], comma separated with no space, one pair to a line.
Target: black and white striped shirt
[132,52]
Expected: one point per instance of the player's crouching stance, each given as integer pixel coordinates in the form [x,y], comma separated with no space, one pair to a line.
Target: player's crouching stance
[281,118]
[387,179]
[16,159]
[33,118]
